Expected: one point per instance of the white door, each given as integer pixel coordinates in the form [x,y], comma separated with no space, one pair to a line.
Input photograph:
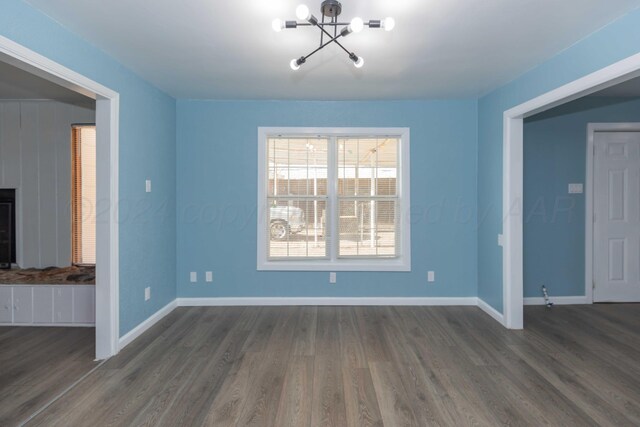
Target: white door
[616,230]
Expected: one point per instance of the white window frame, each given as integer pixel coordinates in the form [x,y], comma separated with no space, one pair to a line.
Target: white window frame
[402,262]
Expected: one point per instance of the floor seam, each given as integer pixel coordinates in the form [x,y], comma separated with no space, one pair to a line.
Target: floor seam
[61,394]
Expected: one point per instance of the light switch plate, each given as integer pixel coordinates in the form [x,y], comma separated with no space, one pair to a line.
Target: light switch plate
[576,188]
[332,277]
[500,240]
[148,185]
[431,276]
[209,276]
[194,277]
[147,293]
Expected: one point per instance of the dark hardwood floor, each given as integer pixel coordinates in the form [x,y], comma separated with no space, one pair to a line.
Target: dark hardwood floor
[37,364]
[368,366]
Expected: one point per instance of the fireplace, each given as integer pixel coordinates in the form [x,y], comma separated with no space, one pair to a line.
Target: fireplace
[7,228]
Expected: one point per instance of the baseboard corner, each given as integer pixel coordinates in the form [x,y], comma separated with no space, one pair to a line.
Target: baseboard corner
[495,314]
[130,336]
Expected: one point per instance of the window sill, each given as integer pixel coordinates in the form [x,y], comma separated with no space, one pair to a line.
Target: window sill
[340,265]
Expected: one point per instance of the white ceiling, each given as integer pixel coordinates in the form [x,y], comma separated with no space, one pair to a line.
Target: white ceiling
[18,84]
[227,49]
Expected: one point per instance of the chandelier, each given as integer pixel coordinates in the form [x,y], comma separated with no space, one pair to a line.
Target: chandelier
[330,29]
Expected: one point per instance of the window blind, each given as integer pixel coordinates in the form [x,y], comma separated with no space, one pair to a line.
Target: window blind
[83,194]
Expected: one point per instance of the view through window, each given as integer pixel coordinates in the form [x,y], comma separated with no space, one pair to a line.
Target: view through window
[321,187]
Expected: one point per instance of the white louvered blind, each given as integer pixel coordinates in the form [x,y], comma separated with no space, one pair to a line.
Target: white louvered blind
[83,194]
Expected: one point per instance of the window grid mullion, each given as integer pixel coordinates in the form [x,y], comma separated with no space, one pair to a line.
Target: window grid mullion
[374,192]
[288,166]
[333,198]
[333,207]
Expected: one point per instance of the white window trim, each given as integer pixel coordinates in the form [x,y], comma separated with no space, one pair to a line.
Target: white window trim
[400,263]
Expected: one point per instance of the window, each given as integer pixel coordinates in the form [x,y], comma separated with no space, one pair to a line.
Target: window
[83,194]
[333,199]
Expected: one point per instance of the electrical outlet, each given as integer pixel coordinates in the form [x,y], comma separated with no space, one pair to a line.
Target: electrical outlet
[194,277]
[148,186]
[500,240]
[147,293]
[332,277]
[431,276]
[576,188]
[209,276]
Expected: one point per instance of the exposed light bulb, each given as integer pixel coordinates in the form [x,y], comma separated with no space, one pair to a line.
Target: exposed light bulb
[356,25]
[294,65]
[277,25]
[359,63]
[302,12]
[389,23]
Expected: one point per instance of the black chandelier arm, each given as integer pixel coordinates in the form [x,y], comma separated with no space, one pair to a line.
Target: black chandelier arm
[322,46]
[333,39]
[322,34]
[371,24]
[339,44]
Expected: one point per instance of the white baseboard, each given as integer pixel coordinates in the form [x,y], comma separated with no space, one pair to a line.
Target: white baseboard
[558,300]
[333,301]
[127,338]
[305,301]
[499,317]
[50,325]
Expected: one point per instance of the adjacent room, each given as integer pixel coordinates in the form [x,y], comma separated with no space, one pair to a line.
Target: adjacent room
[341,213]
[47,240]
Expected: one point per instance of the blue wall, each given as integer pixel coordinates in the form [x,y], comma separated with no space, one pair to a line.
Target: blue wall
[217,184]
[456,176]
[613,43]
[555,155]
[147,150]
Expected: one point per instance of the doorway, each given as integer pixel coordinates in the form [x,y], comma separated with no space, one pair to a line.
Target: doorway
[614,151]
[107,125]
[513,139]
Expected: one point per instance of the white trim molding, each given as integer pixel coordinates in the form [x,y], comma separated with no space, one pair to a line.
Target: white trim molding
[327,301]
[512,208]
[49,325]
[573,300]
[107,127]
[333,263]
[512,177]
[130,336]
[497,316]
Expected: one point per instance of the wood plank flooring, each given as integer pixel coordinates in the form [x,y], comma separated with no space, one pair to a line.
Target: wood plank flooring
[368,366]
[39,363]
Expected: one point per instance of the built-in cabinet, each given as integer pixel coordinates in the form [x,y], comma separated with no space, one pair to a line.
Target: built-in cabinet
[47,305]
[6,305]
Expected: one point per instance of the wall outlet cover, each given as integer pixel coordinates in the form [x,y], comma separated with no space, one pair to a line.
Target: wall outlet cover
[576,188]
[209,276]
[147,293]
[332,277]
[431,276]
[193,277]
